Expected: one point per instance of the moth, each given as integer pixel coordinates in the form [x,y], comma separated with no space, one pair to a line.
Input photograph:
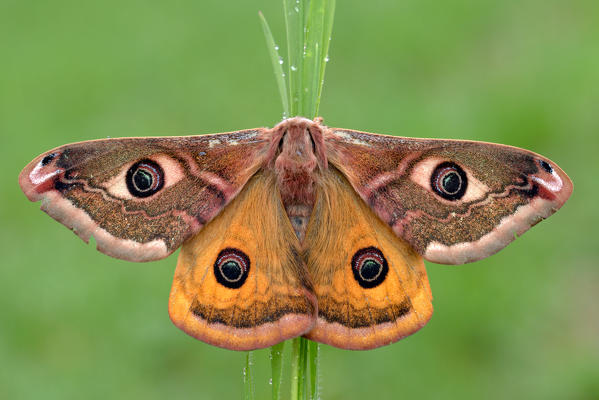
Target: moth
[300,229]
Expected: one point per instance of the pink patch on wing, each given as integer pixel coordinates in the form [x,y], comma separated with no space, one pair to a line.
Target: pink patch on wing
[40,175]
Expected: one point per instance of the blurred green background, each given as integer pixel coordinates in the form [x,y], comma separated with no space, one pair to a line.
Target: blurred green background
[521,324]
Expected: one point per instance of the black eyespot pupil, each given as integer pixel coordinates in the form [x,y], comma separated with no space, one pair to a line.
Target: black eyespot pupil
[370,269]
[231,270]
[144,178]
[449,181]
[546,166]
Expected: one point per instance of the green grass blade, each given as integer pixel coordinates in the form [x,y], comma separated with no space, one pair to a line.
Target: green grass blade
[276,366]
[313,37]
[309,25]
[302,370]
[304,366]
[294,23]
[295,368]
[248,377]
[327,31]
[313,89]
[314,352]
[277,66]
[299,370]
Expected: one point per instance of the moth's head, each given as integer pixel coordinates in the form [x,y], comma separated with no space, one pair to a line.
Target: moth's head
[299,141]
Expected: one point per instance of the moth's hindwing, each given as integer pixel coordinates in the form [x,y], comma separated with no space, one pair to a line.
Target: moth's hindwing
[241,282]
[371,286]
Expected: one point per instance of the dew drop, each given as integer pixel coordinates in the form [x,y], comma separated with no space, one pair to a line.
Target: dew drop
[276,47]
[296,9]
[280,60]
[326,59]
[293,68]
[270,381]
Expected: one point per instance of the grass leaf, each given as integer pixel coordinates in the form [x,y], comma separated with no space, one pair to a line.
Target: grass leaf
[276,366]
[314,352]
[294,23]
[248,377]
[277,66]
[325,41]
[296,368]
[313,36]
[308,38]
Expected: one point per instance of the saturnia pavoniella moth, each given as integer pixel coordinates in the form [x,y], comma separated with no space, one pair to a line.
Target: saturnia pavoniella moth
[300,229]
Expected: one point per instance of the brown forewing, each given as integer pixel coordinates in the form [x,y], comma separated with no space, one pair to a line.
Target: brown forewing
[513,191]
[75,188]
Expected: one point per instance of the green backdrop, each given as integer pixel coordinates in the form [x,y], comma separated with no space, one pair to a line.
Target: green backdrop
[522,324]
